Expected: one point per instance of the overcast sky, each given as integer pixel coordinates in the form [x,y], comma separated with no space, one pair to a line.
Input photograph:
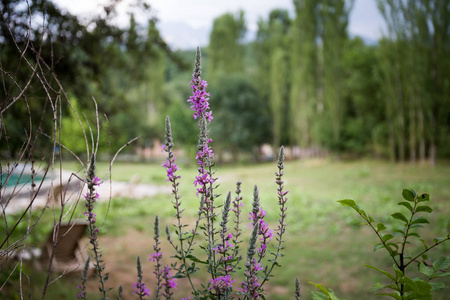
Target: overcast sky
[184,23]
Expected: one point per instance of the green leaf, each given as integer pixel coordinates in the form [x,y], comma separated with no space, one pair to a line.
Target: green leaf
[393,295]
[423,288]
[377,286]
[400,216]
[436,286]
[423,198]
[350,203]
[394,247]
[195,259]
[329,294]
[319,286]
[437,240]
[407,205]
[363,213]
[419,288]
[387,237]
[415,296]
[441,263]
[424,208]
[410,285]
[398,273]
[398,232]
[381,227]
[319,296]
[420,220]
[378,246]
[444,274]
[409,195]
[382,271]
[425,270]
[416,226]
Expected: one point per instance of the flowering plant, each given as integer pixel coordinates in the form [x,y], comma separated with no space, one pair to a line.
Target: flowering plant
[222,249]
[221,256]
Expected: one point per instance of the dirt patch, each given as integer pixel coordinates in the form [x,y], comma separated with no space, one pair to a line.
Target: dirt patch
[120,254]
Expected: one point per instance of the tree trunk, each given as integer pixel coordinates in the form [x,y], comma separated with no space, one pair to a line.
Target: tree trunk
[412,131]
[420,133]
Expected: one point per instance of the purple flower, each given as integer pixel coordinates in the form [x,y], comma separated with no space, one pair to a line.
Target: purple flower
[257,266]
[91,217]
[221,284]
[96,181]
[140,289]
[258,216]
[80,294]
[264,231]
[168,283]
[199,98]
[205,154]
[155,256]
[251,286]
[171,167]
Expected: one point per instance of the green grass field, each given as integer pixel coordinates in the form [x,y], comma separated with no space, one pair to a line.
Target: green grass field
[325,242]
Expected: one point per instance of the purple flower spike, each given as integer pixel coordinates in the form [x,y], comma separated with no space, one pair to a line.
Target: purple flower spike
[221,284]
[171,167]
[141,290]
[200,97]
[155,256]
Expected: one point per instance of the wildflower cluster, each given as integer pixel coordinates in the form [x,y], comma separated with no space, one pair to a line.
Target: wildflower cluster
[225,236]
[264,231]
[141,290]
[169,283]
[221,284]
[250,287]
[222,249]
[204,156]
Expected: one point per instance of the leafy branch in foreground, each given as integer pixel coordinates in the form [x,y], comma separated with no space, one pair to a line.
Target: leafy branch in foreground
[403,246]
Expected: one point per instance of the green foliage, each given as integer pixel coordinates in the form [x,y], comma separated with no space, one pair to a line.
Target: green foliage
[225,49]
[413,64]
[407,248]
[304,99]
[75,129]
[241,119]
[324,295]
[272,74]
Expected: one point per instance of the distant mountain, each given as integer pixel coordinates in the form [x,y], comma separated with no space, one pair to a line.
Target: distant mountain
[181,36]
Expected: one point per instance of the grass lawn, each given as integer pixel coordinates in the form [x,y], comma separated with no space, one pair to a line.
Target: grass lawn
[325,242]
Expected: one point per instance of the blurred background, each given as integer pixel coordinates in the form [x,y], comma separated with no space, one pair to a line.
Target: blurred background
[342,78]
[357,91]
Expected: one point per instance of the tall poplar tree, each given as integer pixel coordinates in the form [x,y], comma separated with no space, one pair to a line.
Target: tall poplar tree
[334,16]
[226,53]
[272,59]
[304,101]
[418,44]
